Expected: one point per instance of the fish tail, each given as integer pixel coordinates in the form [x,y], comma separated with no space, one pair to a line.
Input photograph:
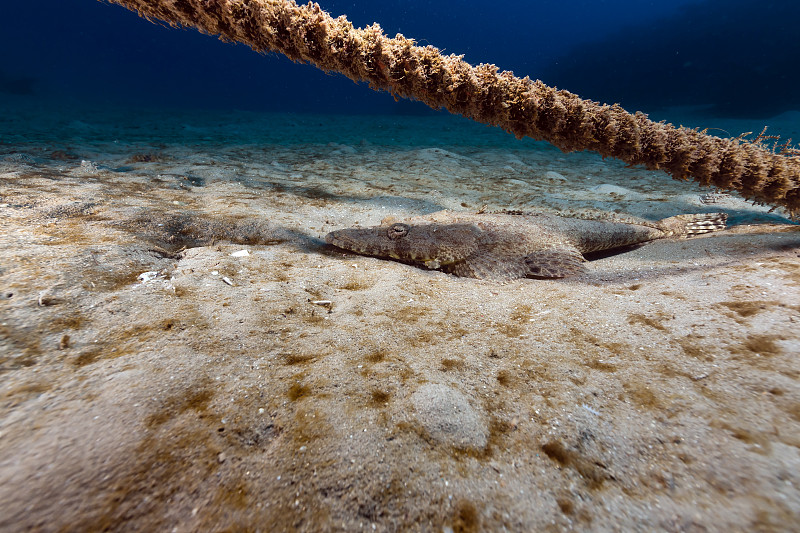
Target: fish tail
[691,225]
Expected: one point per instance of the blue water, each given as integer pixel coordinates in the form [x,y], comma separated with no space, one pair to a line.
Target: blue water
[734,58]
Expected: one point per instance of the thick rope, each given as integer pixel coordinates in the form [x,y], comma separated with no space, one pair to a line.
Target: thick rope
[521,106]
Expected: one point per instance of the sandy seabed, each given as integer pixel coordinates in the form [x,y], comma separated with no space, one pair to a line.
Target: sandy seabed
[180,351]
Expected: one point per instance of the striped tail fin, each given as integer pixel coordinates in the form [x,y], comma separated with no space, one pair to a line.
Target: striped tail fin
[691,225]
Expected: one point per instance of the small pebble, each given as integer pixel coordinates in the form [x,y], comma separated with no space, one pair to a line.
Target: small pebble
[46,300]
[555,176]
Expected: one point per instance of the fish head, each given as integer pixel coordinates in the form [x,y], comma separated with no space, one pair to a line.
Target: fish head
[432,244]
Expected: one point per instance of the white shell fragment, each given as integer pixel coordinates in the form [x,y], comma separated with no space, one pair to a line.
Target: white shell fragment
[240,253]
[144,277]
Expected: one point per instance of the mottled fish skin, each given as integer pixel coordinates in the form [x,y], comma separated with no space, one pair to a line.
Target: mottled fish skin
[509,246]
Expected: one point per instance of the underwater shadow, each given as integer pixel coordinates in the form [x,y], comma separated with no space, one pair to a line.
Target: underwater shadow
[708,253]
[17,85]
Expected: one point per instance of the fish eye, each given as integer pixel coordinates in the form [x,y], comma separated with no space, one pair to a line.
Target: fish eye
[397,231]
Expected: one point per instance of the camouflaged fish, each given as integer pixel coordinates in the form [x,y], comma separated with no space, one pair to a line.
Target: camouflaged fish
[507,246]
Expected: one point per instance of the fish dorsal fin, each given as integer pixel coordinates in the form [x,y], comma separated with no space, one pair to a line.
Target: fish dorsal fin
[489,266]
[556,262]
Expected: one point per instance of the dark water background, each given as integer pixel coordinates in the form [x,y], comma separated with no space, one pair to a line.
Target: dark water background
[734,58]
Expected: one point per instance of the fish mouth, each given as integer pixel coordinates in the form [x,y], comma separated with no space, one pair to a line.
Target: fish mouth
[342,239]
[350,239]
[332,238]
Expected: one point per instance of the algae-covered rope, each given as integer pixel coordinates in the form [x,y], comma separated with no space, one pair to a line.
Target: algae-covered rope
[524,107]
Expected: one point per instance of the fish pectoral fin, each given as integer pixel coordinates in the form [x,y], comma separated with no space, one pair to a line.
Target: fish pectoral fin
[488,266]
[554,263]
